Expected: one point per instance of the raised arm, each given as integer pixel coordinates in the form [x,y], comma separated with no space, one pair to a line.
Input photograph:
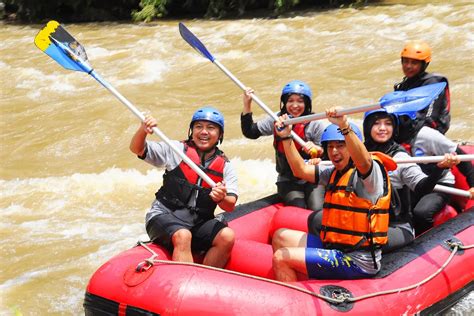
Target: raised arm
[299,168]
[359,154]
[137,144]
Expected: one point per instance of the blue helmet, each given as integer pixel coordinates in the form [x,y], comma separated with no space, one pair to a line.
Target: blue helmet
[332,133]
[297,87]
[209,114]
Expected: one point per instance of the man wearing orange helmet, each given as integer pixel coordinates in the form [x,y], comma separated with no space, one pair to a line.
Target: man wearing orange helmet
[421,133]
[415,58]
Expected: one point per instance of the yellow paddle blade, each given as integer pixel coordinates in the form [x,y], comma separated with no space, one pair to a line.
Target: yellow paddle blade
[42,40]
[58,44]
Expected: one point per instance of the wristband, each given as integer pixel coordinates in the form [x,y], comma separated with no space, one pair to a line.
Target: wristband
[286,137]
[345,131]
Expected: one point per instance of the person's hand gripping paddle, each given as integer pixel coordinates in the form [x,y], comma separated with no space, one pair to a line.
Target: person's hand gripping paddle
[195,43]
[58,44]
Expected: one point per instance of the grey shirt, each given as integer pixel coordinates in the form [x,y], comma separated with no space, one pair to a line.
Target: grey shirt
[430,142]
[408,174]
[159,154]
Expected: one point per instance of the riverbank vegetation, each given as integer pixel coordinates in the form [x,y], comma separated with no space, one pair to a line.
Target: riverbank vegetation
[28,11]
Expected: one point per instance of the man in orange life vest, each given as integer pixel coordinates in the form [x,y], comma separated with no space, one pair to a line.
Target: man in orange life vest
[182,216]
[347,243]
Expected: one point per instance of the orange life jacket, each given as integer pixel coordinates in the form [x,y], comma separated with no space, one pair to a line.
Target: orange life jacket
[351,222]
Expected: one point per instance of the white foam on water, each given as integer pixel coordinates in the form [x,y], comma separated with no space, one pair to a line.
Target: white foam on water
[79,198]
[46,84]
[281,27]
[23,278]
[36,226]
[233,54]
[12,208]
[96,52]
[145,72]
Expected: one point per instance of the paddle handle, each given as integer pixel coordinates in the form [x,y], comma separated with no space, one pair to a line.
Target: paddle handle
[424,159]
[156,130]
[453,191]
[322,115]
[264,107]
[431,159]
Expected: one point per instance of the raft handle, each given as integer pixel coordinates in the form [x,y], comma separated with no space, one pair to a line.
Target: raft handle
[144,266]
[452,243]
[338,295]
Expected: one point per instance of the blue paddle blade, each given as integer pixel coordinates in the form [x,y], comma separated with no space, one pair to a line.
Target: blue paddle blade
[195,43]
[58,44]
[411,101]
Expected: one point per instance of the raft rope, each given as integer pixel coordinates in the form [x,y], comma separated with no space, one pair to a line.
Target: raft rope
[337,298]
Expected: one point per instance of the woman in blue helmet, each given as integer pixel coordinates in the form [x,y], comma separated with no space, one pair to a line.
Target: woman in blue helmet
[421,140]
[380,129]
[181,217]
[347,242]
[295,100]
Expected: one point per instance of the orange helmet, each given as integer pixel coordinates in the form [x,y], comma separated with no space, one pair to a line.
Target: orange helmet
[417,50]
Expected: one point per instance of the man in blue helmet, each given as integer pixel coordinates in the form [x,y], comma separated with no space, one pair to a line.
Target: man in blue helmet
[181,217]
[347,242]
[295,100]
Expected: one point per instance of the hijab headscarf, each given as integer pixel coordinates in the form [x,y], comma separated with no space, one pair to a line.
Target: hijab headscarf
[390,147]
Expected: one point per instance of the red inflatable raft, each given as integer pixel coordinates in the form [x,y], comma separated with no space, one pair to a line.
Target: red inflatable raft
[427,276]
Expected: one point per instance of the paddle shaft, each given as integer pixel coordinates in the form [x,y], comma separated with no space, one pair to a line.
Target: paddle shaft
[88,69]
[453,191]
[322,115]
[264,107]
[156,130]
[394,105]
[424,159]
[429,159]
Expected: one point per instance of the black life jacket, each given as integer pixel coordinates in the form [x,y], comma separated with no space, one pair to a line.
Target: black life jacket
[400,203]
[282,166]
[182,183]
[401,209]
[436,115]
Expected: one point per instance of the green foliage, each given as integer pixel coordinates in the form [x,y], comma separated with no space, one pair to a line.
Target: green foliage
[148,10]
[151,9]
[71,10]
[284,5]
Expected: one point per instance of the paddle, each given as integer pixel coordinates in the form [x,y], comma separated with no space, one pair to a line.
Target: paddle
[424,159]
[428,159]
[195,43]
[453,191]
[58,44]
[412,100]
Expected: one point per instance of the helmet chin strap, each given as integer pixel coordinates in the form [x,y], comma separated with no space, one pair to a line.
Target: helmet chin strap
[202,153]
[423,68]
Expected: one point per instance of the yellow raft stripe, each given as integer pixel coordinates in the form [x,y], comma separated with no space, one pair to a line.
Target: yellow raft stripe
[42,39]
